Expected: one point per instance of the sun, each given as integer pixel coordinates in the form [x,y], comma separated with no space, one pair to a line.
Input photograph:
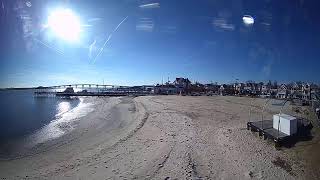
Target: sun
[65,24]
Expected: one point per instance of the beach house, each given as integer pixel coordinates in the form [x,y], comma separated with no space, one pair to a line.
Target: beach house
[226,89]
[250,88]
[212,88]
[165,89]
[182,84]
[238,88]
[306,91]
[296,90]
[282,92]
[265,91]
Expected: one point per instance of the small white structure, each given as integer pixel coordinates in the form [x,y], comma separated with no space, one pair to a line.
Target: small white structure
[285,123]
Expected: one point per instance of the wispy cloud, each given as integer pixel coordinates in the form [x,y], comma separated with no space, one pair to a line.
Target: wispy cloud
[271,59]
[93,19]
[266,69]
[92,49]
[222,24]
[150,6]
[86,25]
[266,26]
[145,24]
[265,23]
[169,29]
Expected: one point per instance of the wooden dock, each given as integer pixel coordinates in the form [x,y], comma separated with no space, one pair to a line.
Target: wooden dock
[266,130]
[92,90]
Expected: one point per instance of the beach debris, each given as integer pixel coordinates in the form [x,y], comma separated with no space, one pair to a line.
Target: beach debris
[282,164]
[250,174]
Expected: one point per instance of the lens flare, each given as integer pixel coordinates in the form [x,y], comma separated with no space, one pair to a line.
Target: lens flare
[65,24]
[248,20]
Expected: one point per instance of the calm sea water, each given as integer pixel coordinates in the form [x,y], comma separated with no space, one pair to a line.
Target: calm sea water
[22,114]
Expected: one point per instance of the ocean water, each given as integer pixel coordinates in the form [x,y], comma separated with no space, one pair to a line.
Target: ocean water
[22,114]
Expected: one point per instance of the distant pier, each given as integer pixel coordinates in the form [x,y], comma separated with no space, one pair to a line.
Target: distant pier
[92,90]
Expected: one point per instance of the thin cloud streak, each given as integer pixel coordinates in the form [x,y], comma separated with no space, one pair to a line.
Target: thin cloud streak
[92,47]
[150,6]
[145,24]
[169,29]
[50,47]
[94,19]
[108,39]
[222,24]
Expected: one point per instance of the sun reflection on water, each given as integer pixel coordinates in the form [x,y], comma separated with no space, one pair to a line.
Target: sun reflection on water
[63,122]
[63,107]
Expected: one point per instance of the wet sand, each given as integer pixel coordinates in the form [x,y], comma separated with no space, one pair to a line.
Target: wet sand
[166,137]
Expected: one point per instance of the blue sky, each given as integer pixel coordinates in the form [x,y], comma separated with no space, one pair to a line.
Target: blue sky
[205,41]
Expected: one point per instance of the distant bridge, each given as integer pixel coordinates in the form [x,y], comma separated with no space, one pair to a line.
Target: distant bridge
[83,86]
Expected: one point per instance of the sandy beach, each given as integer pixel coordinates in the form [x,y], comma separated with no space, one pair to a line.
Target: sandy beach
[166,137]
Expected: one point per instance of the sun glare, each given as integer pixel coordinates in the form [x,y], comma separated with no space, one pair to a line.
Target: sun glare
[248,20]
[65,24]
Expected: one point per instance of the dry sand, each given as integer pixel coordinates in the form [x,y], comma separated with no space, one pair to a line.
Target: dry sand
[166,137]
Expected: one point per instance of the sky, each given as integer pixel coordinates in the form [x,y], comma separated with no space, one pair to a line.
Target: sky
[203,40]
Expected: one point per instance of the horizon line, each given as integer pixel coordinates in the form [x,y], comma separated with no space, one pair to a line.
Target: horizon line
[211,82]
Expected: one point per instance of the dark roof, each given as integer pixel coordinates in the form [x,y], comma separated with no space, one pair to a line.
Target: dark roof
[166,86]
[182,79]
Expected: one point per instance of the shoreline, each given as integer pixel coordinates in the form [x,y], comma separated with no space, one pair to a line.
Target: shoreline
[109,123]
[63,123]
